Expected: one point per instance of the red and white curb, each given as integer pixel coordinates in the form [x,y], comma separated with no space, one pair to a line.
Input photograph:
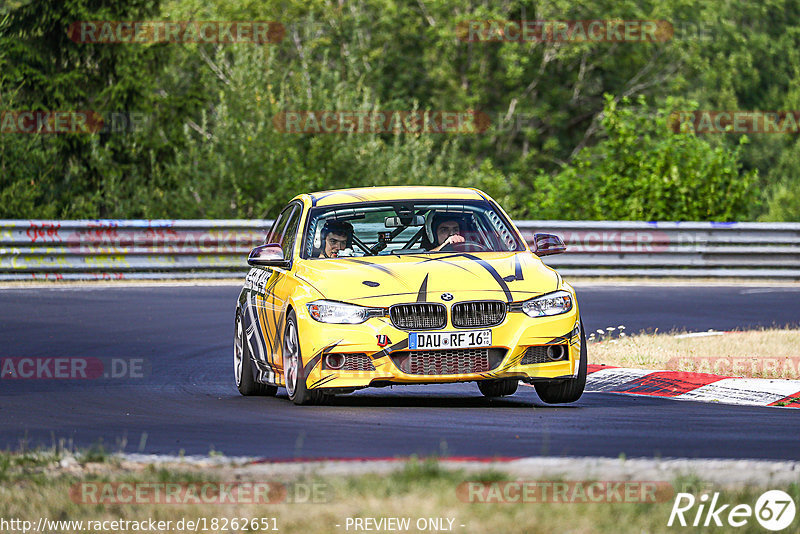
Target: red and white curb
[694,386]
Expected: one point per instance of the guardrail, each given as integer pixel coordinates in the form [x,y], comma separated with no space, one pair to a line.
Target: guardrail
[674,249]
[127,249]
[167,249]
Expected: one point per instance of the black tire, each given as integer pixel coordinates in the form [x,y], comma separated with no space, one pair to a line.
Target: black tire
[498,388]
[243,366]
[293,371]
[566,390]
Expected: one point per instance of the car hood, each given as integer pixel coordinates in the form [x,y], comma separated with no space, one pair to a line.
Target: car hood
[384,280]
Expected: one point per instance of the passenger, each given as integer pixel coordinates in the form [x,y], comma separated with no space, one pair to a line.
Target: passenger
[336,236]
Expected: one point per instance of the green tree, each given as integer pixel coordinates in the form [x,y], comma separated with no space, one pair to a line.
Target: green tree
[642,170]
[72,175]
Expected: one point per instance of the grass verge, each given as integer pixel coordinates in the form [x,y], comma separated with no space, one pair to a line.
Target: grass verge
[37,485]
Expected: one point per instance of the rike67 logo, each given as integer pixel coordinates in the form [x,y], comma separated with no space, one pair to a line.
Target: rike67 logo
[774,510]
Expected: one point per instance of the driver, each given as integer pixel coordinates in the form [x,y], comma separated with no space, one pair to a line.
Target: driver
[446,231]
[336,236]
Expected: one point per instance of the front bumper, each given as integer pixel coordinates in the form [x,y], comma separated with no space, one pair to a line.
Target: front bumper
[514,336]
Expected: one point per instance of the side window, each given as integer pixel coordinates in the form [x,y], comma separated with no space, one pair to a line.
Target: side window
[290,234]
[276,233]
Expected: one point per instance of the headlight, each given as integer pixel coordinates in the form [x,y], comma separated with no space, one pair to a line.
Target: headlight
[554,303]
[328,311]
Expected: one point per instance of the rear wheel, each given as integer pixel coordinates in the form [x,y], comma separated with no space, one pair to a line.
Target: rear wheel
[498,388]
[567,390]
[243,367]
[293,372]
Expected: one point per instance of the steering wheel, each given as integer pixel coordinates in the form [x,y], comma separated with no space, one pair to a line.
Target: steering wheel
[466,246]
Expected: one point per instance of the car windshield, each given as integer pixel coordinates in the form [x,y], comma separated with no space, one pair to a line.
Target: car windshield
[410,227]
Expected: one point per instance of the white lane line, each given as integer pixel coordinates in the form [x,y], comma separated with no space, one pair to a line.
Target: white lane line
[768,290]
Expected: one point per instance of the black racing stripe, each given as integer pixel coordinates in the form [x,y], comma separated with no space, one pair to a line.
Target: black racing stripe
[375,266]
[517,268]
[362,262]
[278,336]
[317,357]
[322,381]
[561,339]
[486,265]
[440,258]
[388,350]
[506,367]
[329,348]
[317,382]
[273,283]
[379,296]
[426,259]
[422,296]
[311,364]
[315,199]
[354,195]
[516,359]
[499,279]
[258,310]
[267,335]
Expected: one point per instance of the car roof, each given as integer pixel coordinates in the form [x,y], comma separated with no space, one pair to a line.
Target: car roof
[371,194]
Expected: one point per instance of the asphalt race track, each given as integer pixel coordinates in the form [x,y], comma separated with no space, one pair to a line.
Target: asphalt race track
[187,400]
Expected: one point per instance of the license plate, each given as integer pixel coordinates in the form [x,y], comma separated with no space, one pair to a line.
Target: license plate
[449,340]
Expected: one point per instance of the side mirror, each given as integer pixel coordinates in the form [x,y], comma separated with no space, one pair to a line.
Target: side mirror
[270,255]
[548,244]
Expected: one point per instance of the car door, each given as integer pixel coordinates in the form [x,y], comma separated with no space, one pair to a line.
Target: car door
[266,301]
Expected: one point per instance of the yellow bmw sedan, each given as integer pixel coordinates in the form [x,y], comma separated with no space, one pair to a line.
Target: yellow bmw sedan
[384,286]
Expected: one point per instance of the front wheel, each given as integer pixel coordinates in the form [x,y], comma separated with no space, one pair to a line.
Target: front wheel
[293,372]
[243,367]
[568,390]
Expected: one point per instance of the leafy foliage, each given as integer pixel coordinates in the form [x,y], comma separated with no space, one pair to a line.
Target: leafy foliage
[578,129]
[644,171]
